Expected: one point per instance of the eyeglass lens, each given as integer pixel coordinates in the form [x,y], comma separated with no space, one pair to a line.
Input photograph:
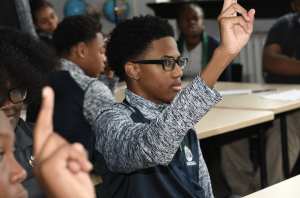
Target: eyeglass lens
[15,95]
[169,64]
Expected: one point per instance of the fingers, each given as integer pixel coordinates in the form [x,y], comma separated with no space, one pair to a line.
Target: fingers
[239,20]
[232,10]
[227,3]
[74,160]
[44,124]
[74,166]
[53,143]
[251,14]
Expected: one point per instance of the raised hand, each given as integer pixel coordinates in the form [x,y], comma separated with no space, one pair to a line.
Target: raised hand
[234,30]
[60,168]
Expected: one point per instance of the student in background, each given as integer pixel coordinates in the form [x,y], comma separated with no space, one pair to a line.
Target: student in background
[281,61]
[79,88]
[281,56]
[53,155]
[45,19]
[147,146]
[194,43]
[22,77]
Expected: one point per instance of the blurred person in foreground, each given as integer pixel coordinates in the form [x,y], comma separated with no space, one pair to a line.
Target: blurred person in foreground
[62,169]
[24,63]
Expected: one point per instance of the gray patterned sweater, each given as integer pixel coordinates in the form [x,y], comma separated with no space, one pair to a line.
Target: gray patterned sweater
[99,93]
[128,146]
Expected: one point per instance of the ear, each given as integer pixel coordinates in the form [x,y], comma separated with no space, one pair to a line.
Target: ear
[81,50]
[132,71]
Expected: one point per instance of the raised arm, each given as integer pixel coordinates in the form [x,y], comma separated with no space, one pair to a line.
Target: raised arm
[234,33]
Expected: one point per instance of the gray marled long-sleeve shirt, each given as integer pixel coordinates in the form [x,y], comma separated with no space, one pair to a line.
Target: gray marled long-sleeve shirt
[99,93]
[128,146]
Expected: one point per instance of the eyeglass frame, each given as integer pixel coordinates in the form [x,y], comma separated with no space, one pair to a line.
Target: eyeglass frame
[8,95]
[161,61]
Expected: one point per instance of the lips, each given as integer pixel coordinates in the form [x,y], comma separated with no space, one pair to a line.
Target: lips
[176,86]
[192,28]
[10,115]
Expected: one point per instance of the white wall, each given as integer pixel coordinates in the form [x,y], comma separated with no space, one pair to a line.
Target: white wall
[138,7]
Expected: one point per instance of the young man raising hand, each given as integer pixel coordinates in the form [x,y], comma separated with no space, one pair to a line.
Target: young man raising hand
[147,146]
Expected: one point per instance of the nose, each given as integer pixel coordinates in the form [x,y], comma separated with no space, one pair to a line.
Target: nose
[18,173]
[176,72]
[52,22]
[104,58]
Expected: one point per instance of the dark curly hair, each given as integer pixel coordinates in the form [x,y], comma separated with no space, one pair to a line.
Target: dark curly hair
[73,30]
[24,61]
[36,5]
[185,6]
[131,39]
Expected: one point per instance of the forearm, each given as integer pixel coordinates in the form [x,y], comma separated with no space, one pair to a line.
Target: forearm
[280,64]
[218,63]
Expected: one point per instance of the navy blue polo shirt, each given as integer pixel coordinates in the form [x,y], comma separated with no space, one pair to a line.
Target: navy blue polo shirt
[286,33]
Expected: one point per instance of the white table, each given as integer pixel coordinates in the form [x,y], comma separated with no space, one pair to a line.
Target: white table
[219,121]
[289,188]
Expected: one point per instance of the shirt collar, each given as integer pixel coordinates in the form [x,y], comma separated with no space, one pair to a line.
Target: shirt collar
[45,35]
[23,140]
[70,66]
[147,108]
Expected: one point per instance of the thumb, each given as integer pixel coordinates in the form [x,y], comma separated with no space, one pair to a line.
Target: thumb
[251,14]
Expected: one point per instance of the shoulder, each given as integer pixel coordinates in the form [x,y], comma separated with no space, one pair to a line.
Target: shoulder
[114,113]
[285,20]
[96,88]
[116,109]
[213,39]
[288,17]
[27,127]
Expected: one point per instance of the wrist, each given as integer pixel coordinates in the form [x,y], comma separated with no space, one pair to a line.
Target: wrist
[223,56]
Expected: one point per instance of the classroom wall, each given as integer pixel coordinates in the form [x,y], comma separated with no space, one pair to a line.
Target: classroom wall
[139,7]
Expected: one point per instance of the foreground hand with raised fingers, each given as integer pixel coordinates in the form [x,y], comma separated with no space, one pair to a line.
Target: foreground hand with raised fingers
[235,30]
[61,169]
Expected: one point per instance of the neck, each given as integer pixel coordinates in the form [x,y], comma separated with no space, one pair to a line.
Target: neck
[192,42]
[71,58]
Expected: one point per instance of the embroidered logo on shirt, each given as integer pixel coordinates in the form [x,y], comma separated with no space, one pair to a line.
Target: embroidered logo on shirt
[188,153]
[31,161]
[189,156]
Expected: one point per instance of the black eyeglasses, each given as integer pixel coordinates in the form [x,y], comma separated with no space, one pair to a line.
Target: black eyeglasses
[15,95]
[168,64]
